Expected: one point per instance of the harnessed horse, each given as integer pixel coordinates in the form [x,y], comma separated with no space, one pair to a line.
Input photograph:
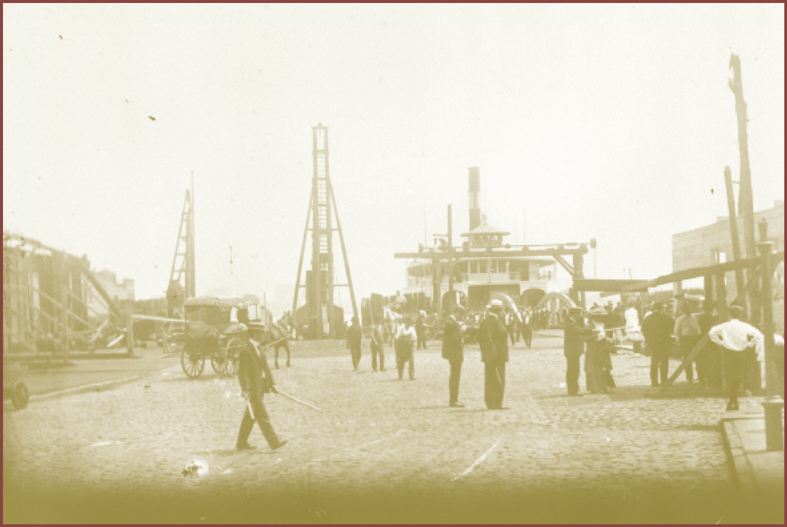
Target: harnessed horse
[273,334]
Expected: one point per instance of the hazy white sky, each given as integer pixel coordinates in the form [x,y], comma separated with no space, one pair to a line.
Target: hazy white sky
[612,122]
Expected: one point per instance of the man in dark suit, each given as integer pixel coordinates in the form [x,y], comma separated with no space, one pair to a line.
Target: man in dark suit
[493,339]
[453,352]
[657,329]
[575,334]
[255,380]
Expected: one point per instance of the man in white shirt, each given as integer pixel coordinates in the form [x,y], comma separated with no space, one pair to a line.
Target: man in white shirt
[404,343]
[737,339]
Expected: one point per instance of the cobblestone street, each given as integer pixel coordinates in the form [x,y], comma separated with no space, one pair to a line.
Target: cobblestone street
[384,450]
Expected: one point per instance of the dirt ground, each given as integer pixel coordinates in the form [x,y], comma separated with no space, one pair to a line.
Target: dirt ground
[383,450]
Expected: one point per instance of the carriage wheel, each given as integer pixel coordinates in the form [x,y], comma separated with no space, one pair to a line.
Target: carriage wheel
[231,359]
[21,396]
[192,364]
[218,363]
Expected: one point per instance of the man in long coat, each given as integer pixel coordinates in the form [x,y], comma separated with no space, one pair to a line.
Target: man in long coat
[493,339]
[657,329]
[453,352]
[255,379]
[575,334]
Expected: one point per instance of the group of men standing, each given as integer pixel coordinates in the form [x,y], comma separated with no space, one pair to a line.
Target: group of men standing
[493,335]
[734,344]
[586,330]
[404,336]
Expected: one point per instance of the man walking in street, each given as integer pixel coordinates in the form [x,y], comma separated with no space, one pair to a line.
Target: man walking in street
[738,340]
[657,330]
[575,334]
[255,379]
[354,339]
[454,354]
[377,347]
[493,339]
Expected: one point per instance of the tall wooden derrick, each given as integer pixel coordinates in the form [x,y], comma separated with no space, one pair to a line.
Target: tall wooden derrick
[320,314]
[182,276]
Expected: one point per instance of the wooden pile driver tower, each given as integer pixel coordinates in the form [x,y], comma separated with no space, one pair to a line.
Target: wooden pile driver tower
[323,318]
[182,281]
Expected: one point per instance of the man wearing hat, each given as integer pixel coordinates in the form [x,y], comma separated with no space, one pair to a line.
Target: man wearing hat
[354,339]
[255,379]
[657,329]
[574,337]
[737,339]
[454,354]
[493,339]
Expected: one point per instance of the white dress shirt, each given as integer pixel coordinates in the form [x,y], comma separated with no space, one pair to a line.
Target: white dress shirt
[737,335]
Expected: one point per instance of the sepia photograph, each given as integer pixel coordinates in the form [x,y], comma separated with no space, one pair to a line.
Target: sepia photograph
[453,263]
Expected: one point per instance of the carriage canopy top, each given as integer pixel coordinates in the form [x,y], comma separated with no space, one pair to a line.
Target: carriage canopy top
[223,303]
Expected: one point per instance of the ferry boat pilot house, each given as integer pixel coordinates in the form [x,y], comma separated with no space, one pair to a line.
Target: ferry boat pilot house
[525,280]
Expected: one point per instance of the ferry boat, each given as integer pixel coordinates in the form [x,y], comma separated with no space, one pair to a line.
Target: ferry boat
[523,281]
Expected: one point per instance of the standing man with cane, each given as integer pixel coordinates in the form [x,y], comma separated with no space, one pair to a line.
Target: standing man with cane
[255,379]
[493,339]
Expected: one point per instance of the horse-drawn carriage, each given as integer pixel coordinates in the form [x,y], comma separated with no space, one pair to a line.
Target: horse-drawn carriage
[216,328]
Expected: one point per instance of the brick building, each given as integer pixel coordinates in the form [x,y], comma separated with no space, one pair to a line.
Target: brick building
[712,244]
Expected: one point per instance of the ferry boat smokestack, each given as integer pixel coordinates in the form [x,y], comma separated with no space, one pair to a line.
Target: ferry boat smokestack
[475,206]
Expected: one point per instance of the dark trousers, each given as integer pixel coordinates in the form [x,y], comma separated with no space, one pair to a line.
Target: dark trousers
[734,370]
[712,365]
[355,351]
[378,350]
[263,421]
[403,355]
[421,337]
[572,374]
[512,334]
[687,344]
[659,363]
[453,381]
[752,379]
[527,334]
[494,384]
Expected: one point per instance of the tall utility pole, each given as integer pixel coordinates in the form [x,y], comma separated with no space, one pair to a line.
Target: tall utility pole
[745,199]
[319,280]
[736,241]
